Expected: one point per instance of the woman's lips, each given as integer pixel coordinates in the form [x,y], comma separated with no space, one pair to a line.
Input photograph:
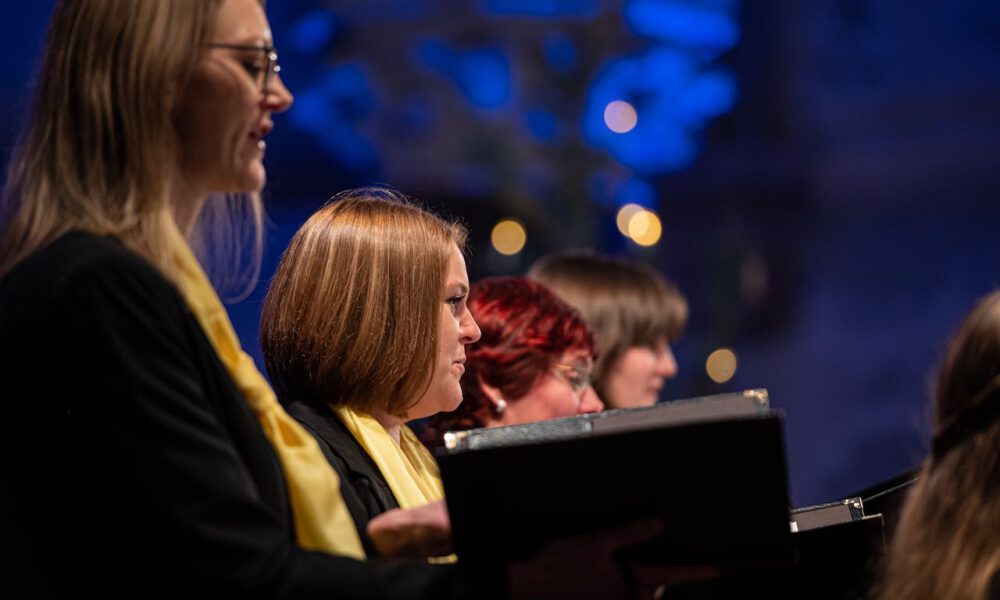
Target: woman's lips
[258,140]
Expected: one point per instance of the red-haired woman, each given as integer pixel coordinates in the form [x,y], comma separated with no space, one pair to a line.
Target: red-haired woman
[533,361]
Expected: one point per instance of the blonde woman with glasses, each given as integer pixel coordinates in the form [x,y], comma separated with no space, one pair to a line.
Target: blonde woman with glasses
[144,455]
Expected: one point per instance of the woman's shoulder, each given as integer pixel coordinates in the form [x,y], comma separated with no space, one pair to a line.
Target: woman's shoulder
[333,436]
[343,452]
[79,252]
[81,266]
[82,281]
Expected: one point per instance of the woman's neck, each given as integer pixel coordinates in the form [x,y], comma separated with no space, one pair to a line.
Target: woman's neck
[186,203]
[390,423]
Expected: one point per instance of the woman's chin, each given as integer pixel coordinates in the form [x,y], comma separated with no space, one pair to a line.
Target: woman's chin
[256,179]
[452,404]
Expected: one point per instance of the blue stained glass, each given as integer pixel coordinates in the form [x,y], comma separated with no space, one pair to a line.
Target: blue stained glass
[560,53]
[314,31]
[598,186]
[329,109]
[682,23]
[673,100]
[708,95]
[483,74]
[349,148]
[541,8]
[415,117]
[636,191]
[542,124]
[347,91]
[309,109]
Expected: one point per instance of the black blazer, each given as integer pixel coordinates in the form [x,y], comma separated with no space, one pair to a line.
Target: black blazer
[130,464]
[363,486]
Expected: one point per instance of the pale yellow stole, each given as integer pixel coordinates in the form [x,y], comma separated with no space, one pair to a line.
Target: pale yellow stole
[322,521]
[408,467]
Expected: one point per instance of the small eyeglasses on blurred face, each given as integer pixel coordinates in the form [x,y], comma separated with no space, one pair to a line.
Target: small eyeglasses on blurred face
[263,74]
[577,376]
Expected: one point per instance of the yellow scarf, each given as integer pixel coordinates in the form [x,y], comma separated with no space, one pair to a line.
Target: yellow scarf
[408,467]
[322,521]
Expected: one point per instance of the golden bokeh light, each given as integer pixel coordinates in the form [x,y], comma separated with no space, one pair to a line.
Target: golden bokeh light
[620,116]
[625,215]
[508,237]
[721,365]
[645,228]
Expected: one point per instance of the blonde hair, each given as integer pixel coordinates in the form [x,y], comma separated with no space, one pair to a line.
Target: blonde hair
[351,316]
[97,151]
[626,304]
[945,545]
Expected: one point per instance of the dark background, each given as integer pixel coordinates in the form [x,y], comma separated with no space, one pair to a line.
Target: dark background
[826,172]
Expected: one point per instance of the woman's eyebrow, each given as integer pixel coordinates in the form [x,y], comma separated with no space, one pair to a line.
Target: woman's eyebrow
[458,287]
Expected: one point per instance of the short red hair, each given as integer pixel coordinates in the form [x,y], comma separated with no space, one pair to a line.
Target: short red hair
[526,329]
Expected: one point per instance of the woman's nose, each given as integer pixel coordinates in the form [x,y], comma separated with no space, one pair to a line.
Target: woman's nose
[590,402]
[470,332]
[666,364]
[277,98]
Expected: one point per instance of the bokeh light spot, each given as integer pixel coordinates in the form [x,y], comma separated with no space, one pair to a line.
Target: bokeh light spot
[508,237]
[620,116]
[721,365]
[645,228]
[625,215]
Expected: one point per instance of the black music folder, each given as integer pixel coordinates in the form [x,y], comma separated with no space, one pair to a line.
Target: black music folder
[704,408]
[715,480]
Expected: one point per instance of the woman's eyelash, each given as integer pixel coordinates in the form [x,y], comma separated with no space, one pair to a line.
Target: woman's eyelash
[253,68]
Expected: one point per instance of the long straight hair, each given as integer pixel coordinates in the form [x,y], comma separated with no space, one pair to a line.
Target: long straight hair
[99,149]
[946,544]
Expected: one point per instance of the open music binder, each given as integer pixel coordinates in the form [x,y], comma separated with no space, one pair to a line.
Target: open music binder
[711,470]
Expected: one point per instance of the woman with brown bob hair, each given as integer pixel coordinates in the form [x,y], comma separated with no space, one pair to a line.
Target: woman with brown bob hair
[364,328]
[144,454]
[946,543]
[635,314]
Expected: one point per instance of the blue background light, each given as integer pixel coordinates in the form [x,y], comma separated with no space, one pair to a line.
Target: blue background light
[541,8]
[314,32]
[684,23]
[673,101]
[329,111]
[826,172]
[482,74]
[542,124]
[561,53]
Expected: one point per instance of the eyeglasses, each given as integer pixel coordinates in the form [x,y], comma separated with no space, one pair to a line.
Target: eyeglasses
[576,376]
[262,75]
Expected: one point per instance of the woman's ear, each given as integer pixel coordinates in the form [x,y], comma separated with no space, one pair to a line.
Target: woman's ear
[494,397]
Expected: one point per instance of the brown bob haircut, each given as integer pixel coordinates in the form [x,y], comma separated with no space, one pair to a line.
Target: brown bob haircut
[351,316]
[626,304]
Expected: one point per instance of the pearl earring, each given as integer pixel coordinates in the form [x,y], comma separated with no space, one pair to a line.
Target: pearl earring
[499,406]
